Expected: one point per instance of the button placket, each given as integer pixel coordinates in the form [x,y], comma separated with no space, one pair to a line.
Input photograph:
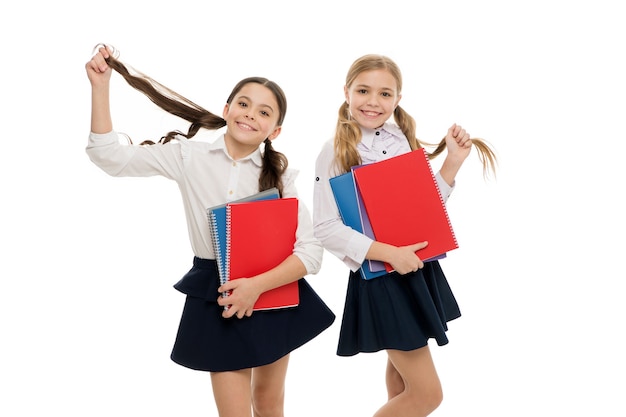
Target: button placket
[233,179]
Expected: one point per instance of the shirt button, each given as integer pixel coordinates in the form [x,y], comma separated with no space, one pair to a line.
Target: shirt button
[230,192]
[384,152]
[377,133]
[234,163]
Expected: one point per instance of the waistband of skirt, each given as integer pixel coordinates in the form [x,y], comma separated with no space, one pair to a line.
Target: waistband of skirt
[203,263]
[200,281]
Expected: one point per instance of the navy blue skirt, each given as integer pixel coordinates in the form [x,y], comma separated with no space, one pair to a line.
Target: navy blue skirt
[397,311]
[208,342]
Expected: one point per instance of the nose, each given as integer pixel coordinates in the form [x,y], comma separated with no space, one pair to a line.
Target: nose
[250,115]
[372,100]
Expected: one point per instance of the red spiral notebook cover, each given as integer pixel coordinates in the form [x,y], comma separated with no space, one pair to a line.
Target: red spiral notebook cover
[404,204]
[260,236]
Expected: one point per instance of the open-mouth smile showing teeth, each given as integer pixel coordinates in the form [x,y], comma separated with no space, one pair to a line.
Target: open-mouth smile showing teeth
[370,113]
[245,126]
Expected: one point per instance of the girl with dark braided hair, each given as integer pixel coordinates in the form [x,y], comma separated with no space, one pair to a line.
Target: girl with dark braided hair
[246,353]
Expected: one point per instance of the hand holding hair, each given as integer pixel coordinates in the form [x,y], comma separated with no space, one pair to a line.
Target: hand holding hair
[97,68]
[458,142]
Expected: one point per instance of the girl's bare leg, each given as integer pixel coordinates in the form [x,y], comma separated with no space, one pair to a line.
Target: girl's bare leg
[232,393]
[394,382]
[268,389]
[422,391]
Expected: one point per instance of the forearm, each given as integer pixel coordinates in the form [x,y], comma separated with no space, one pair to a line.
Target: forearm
[379,251]
[100,110]
[450,168]
[291,269]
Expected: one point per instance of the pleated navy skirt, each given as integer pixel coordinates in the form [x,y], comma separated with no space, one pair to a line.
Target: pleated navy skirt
[208,342]
[397,311]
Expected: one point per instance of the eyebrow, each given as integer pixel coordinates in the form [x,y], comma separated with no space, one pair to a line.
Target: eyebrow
[369,87]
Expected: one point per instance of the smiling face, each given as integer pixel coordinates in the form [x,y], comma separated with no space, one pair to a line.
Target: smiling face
[372,97]
[251,116]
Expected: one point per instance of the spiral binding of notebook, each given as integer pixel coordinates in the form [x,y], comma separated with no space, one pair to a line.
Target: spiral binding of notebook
[227,248]
[215,239]
[443,203]
[217,248]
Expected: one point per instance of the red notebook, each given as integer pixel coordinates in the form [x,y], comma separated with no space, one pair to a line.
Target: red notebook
[260,235]
[404,204]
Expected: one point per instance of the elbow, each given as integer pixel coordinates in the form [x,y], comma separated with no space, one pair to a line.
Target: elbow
[316,260]
[107,161]
[311,258]
[321,233]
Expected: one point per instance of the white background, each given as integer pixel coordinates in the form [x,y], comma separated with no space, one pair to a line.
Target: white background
[88,314]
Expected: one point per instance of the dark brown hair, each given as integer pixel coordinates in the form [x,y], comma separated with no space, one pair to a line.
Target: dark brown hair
[274,162]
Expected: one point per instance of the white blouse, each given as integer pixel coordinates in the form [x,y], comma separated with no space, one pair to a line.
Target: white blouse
[206,176]
[342,241]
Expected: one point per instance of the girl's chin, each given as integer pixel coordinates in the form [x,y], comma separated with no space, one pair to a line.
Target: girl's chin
[370,124]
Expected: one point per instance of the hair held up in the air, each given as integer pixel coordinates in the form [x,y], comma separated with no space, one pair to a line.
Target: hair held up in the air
[274,162]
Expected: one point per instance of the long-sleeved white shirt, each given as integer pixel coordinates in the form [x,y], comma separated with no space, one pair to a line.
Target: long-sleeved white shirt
[342,241]
[206,176]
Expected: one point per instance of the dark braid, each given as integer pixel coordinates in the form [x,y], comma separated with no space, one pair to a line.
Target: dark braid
[274,165]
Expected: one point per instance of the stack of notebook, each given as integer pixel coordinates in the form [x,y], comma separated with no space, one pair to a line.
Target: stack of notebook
[253,235]
[396,201]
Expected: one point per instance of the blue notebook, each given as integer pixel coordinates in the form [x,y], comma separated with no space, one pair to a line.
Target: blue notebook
[217,225]
[347,202]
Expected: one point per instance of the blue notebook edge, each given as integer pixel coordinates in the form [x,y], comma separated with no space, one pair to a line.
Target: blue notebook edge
[344,191]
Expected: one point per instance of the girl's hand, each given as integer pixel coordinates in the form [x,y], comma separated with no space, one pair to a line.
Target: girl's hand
[404,259]
[242,294]
[458,143]
[98,71]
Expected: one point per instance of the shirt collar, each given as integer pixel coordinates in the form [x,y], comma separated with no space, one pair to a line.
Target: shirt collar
[368,135]
[219,145]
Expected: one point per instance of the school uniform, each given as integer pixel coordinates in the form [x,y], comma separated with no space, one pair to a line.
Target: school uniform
[207,176]
[392,311]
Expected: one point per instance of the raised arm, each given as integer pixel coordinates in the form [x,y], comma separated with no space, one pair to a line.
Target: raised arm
[99,74]
[459,145]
